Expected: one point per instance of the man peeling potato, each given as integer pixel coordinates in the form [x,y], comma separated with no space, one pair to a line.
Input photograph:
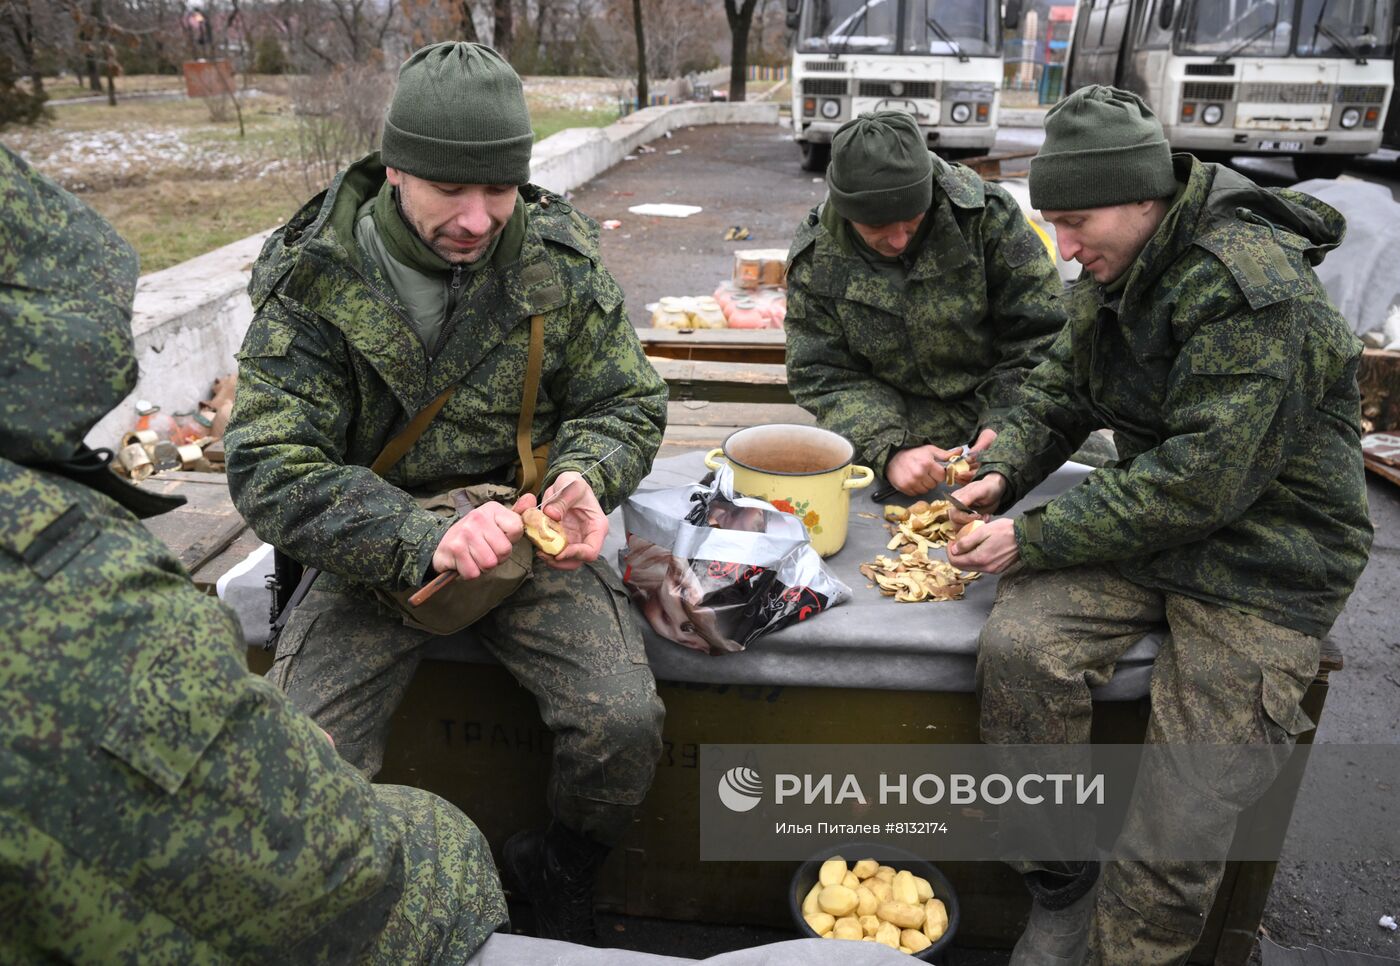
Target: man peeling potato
[919,299]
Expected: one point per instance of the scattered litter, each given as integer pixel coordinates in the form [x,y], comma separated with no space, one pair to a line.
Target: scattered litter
[677,151]
[612,224]
[665,210]
[629,157]
[818,180]
[646,149]
[737,233]
[1389,923]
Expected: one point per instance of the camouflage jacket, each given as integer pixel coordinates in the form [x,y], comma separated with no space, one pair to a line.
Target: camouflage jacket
[158,803]
[890,368]
[331,369]
[1229,382]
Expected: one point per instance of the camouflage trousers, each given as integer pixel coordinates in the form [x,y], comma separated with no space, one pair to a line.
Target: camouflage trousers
[1221,678]
[568,637]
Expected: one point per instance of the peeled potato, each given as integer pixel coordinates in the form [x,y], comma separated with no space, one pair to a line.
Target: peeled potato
[849,927]
[914,939]
[865,868]
[870,925]
[935,919]
[904,889]
[902,914]
[881,889]
[866,902]
[888,934]
[924,889]
[851,882]
[840,901]
[821,922]
[809,904]
[832,872]
[543,532]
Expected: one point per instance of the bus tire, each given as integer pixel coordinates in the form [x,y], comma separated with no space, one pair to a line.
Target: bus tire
[1309,166]
[815,155]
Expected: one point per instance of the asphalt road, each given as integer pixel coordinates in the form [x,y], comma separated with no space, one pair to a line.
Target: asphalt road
[748,175]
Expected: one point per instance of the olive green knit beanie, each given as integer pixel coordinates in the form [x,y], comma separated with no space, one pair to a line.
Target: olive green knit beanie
[458,116]
[880,169]
[1102,147]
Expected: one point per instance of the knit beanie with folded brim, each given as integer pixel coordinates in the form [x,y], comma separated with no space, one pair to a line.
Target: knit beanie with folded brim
[1103,146]
[880,170]
[459,117]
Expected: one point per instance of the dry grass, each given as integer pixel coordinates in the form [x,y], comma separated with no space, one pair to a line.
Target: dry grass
[177,184]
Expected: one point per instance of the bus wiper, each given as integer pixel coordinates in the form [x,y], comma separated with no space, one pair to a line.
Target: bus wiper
[850,31]
[1266,29]
[1339,40]
[947,38]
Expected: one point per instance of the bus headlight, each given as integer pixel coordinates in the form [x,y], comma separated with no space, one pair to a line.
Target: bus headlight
[1212,114]
[1351,117]
[831,109]
[896,89]
[961,113]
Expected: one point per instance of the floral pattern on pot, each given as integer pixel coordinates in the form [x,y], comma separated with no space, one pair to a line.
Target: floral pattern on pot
[811,519]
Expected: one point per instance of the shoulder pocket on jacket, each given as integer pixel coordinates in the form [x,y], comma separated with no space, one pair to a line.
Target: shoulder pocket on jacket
[165,723]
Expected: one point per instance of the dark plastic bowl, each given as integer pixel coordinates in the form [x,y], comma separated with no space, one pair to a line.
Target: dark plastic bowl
[806,876]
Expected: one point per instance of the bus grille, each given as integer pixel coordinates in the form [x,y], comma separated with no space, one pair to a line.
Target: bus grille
[1287,93]
[824,66]
[1360,94]
[921,89]
[1210,70]
[825,87]
[1207,92]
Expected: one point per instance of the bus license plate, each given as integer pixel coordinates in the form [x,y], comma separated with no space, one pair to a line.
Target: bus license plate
[1280,146]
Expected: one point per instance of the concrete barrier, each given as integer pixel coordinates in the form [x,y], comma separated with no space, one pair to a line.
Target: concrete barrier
[572,157]
[188,322]
[190,319]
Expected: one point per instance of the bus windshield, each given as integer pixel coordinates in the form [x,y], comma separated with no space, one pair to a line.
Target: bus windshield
[860,26]
[1278,28]
[1257,28]
[943,27]
[1344,28]
[950,27]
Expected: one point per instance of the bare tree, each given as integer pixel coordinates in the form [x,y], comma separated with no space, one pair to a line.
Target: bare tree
[641,54]
[740,19]
[503,27]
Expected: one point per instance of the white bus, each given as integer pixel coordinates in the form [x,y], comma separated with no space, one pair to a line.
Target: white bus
[1310,79]
[939,60]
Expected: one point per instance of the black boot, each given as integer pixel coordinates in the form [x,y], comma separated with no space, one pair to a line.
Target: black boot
[1062,913]
[554,870]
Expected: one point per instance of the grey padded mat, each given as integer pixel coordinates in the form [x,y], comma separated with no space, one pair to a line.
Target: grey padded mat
[869,642]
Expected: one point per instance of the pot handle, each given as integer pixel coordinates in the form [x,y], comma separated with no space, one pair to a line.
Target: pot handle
[712,456]
[861,477]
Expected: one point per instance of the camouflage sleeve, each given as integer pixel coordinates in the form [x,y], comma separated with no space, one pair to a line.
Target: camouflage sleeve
[1232,412]
[286,444]
[609,394]
[1051,421]
[827,380]
[1024,292]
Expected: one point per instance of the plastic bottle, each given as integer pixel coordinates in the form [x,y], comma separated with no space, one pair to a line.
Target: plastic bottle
[149,416]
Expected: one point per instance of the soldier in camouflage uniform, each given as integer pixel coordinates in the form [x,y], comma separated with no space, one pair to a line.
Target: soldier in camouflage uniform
[157,802]
[919,298]
[418,270]
[1236,518]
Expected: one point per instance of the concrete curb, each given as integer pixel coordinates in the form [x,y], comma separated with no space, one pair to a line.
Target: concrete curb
[1021,117]
[189,319]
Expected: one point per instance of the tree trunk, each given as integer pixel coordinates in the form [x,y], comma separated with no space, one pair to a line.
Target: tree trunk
[469,33]
[739,22]
[641,54]
[501,36]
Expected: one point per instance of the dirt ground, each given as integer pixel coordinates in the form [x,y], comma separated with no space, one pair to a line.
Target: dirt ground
[749,175]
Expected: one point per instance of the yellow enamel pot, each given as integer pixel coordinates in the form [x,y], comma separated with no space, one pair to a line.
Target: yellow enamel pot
[801,470]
